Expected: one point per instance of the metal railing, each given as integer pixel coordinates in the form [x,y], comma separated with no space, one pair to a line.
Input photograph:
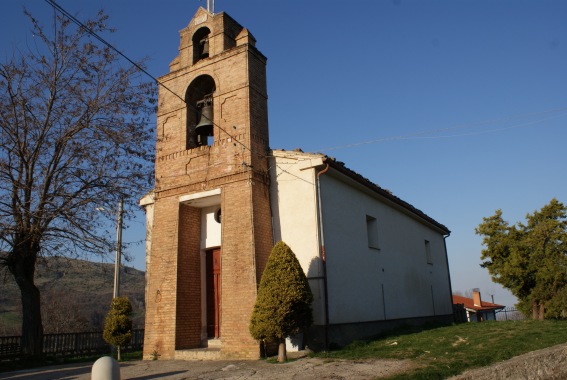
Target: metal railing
[69,344]
[510,314]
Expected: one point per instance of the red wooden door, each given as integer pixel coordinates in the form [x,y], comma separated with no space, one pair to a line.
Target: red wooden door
[213,293]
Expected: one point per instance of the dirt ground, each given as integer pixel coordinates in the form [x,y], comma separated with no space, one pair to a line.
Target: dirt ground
[549,364]
[304,368]
[546,364]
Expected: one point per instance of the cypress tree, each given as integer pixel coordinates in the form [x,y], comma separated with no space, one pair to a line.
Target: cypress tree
[283,305]
[118,324]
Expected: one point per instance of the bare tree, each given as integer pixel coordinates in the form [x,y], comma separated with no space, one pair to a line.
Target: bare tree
[74,137]
[60,313]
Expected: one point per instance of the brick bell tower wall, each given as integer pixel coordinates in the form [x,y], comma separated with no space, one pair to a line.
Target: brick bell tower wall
[232,163]
[188,305]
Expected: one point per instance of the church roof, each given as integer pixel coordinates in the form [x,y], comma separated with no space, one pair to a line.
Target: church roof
[342,168]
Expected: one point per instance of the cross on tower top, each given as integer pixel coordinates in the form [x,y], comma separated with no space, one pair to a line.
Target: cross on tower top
[211,6]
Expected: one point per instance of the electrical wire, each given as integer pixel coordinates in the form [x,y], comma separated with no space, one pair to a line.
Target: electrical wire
[107,44]
[419,135]
[110,46]
[416,135]
[282,170]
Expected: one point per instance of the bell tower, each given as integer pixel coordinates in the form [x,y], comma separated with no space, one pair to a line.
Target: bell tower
[211,230]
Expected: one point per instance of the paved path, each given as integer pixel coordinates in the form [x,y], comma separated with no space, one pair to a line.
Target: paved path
[159,369]
[304,369]
[138,370]
[548,364]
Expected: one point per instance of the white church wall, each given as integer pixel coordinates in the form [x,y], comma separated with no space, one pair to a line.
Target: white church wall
[294,212]
[390,280]
[390,276]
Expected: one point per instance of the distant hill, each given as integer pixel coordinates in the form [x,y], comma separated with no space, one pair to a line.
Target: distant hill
[76,295]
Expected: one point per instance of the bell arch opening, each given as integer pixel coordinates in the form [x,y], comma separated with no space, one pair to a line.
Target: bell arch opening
[200,112]
[201,44]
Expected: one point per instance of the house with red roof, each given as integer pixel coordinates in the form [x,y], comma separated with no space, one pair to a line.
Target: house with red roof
[476,309]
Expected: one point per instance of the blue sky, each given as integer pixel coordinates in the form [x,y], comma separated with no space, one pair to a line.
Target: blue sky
[458,107]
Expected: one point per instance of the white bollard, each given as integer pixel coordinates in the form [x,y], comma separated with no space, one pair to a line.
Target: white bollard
[105,368]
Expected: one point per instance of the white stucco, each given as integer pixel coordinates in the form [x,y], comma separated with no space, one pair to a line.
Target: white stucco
[295,219]
[364,284]
[202,199]
[394,281]
[210,228]
[147,203]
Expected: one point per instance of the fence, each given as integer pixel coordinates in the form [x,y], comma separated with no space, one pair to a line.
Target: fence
[459,313]
[510,314]
[69,344]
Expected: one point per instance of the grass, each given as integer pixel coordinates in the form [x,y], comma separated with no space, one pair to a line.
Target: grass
[10,321]
[441,352]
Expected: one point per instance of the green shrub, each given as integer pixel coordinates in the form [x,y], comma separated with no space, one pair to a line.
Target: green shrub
[118,324]
[283,305]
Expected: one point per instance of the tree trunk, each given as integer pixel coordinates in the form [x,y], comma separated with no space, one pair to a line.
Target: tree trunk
[534,310]
[117,353]
[23,269]
[32,328]
[541,311]
[282,354]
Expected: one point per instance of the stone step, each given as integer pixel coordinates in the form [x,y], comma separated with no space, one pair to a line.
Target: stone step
[199,354]
[214,343]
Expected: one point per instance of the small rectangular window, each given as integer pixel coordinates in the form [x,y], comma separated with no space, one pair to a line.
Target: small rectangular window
[372,232]
[428,252]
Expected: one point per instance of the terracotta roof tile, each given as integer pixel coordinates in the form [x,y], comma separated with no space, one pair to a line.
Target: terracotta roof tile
[469,304]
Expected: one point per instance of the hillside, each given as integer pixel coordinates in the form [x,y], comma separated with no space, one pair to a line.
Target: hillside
[76,295]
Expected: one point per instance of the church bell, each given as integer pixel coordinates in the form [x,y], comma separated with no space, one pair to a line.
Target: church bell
[205,126]
[204,47]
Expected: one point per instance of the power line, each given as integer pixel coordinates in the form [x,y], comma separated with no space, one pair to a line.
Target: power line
[492,130]
[420,134]
[110,46]
[107,44]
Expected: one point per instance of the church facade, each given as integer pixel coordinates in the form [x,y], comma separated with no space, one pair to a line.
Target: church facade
[222,198]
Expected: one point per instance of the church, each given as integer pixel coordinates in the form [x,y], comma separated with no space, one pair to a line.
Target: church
[223,198]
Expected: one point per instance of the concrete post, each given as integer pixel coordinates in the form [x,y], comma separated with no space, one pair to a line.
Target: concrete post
[105,368]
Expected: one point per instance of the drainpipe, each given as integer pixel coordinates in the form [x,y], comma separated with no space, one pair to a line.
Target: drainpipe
[449,273]
[322,255]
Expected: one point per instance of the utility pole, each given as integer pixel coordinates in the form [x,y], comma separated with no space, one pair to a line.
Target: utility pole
[118,248]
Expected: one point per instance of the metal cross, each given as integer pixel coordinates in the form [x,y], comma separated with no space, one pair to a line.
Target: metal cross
[211,6]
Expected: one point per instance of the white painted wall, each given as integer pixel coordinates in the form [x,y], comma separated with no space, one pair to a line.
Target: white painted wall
[294,211]
[364,284]
[147,203]
[394,281]
[210,228]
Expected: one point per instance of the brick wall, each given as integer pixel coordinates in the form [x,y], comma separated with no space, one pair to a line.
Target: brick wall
[188,310]
[236,164]
[162,281]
